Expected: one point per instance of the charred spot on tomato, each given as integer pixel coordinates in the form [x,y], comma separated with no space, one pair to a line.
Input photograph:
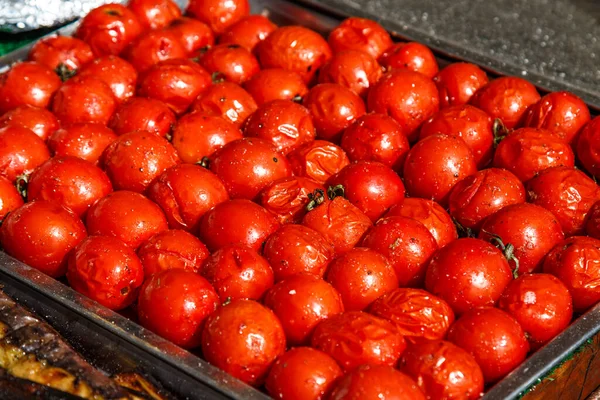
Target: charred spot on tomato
[112,13]
[275,159]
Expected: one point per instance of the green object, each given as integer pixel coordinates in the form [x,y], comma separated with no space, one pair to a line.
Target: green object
[8,44]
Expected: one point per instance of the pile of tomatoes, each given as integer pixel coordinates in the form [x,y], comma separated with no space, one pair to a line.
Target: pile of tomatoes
[321,218]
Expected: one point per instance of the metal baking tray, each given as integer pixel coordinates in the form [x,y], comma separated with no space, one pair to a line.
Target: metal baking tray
[112,341]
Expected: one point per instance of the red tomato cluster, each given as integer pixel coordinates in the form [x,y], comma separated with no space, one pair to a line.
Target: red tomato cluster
[324,217]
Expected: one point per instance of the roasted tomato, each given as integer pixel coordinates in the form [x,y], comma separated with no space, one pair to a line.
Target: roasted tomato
[285,124]
[506,98]
[154,14]
[248,32]
[27,84]
[592,226]
[360,34]
[174,304]
[117,73]
[69,181]
[354,338]
[354,69]
[587,147]
[236,222]
[105,270]
[39,120]
[172,249]
[238,272]
[443,370]
[141,114]
[231,62]
[302,373]
[85,141]
[63,54]
[243,338]
[500,349]
[219,14]
[128,216]
[531,231]
[287,197]
[227,100]
[318,160]
[435,164]
[153,47]
[21,151]
[41,234]
[84,99]
[293,249]
[108,29]
[302,301]
[468,273]
[193,34]
[10,199]
[458,82]
[276,84]
[294,48]
[410,55]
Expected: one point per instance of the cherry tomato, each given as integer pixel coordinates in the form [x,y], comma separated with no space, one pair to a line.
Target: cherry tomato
[285,124]
[142,114]
[193,34]
[360,34]
[500,349]
[185,193]
[302,373]
[443,370]
[294,48]
[276,84]
[128,216]
[243,338]
[21,151]
[506,98]
[407,96]
[172,249]
[482,194]
[435,165]
[293,249]
[84,99]
[587,145]
[318,160]
[39,120]
[592,226]
[153,47]
[530,229]
[576,262]
[219,14]
[10,199]
[63,54]
[85,141]
[174,304]
[27,83]
[286,198]
[232,62]
[236,222]
[238,272]
[353,69]
[154,14]
[248,32]
[467,122]
[136,158]
[458,82]
[410,55]
[117,73]
[300,302]
[41,234]
[353,338]
[468,273]
[105,270]
[227,100]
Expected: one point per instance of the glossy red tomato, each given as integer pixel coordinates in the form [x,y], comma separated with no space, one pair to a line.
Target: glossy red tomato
[530,229]
[443,370]
[21,151]
[407,96]
[108,29]
[482,194]
[286,198]
[468,273]
[376,382]
[10,199]
[154,14]
[458,82]
[193,34]
[361,275]
[541,304]
[276,84]
[238,272]
[41,234]
[63,54]
[105,270]
[507,98]
[294,48]
[430,214]
[333,108]
[69,181]
[302,373]
[360,34]
[39,120]
[435,165]
[500,350]
[592,226]
[231,62]
[219,14]
[318,160]
[285,124]
[152,47]
[587,147]
[467,122]
[236,222]
[410,55]
[117,73]
[85,141]
[576,262]
[128,216]
[354,338]
[243,338]
[172,249]
[248,32]
[27,83]
[227,100]
[300,302]
[354,69]
[293,249]
[84,99]
[142,114]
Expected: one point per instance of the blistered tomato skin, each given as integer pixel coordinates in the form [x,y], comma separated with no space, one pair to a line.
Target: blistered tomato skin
[231,62]
[458,82]
[143,114]
[360,34]
[63,54]
[592,225]
[85,141]
[276,84]
[154,14]
[353,69]
[39,120]
[587,147]
[84,99]
[193,34]
[248,32]
[117,73]
[218,14]
[227,100]
[287,197]
[21,151]
[410,55]
[27,83]
[318,160]
[10,199]
[152,47]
